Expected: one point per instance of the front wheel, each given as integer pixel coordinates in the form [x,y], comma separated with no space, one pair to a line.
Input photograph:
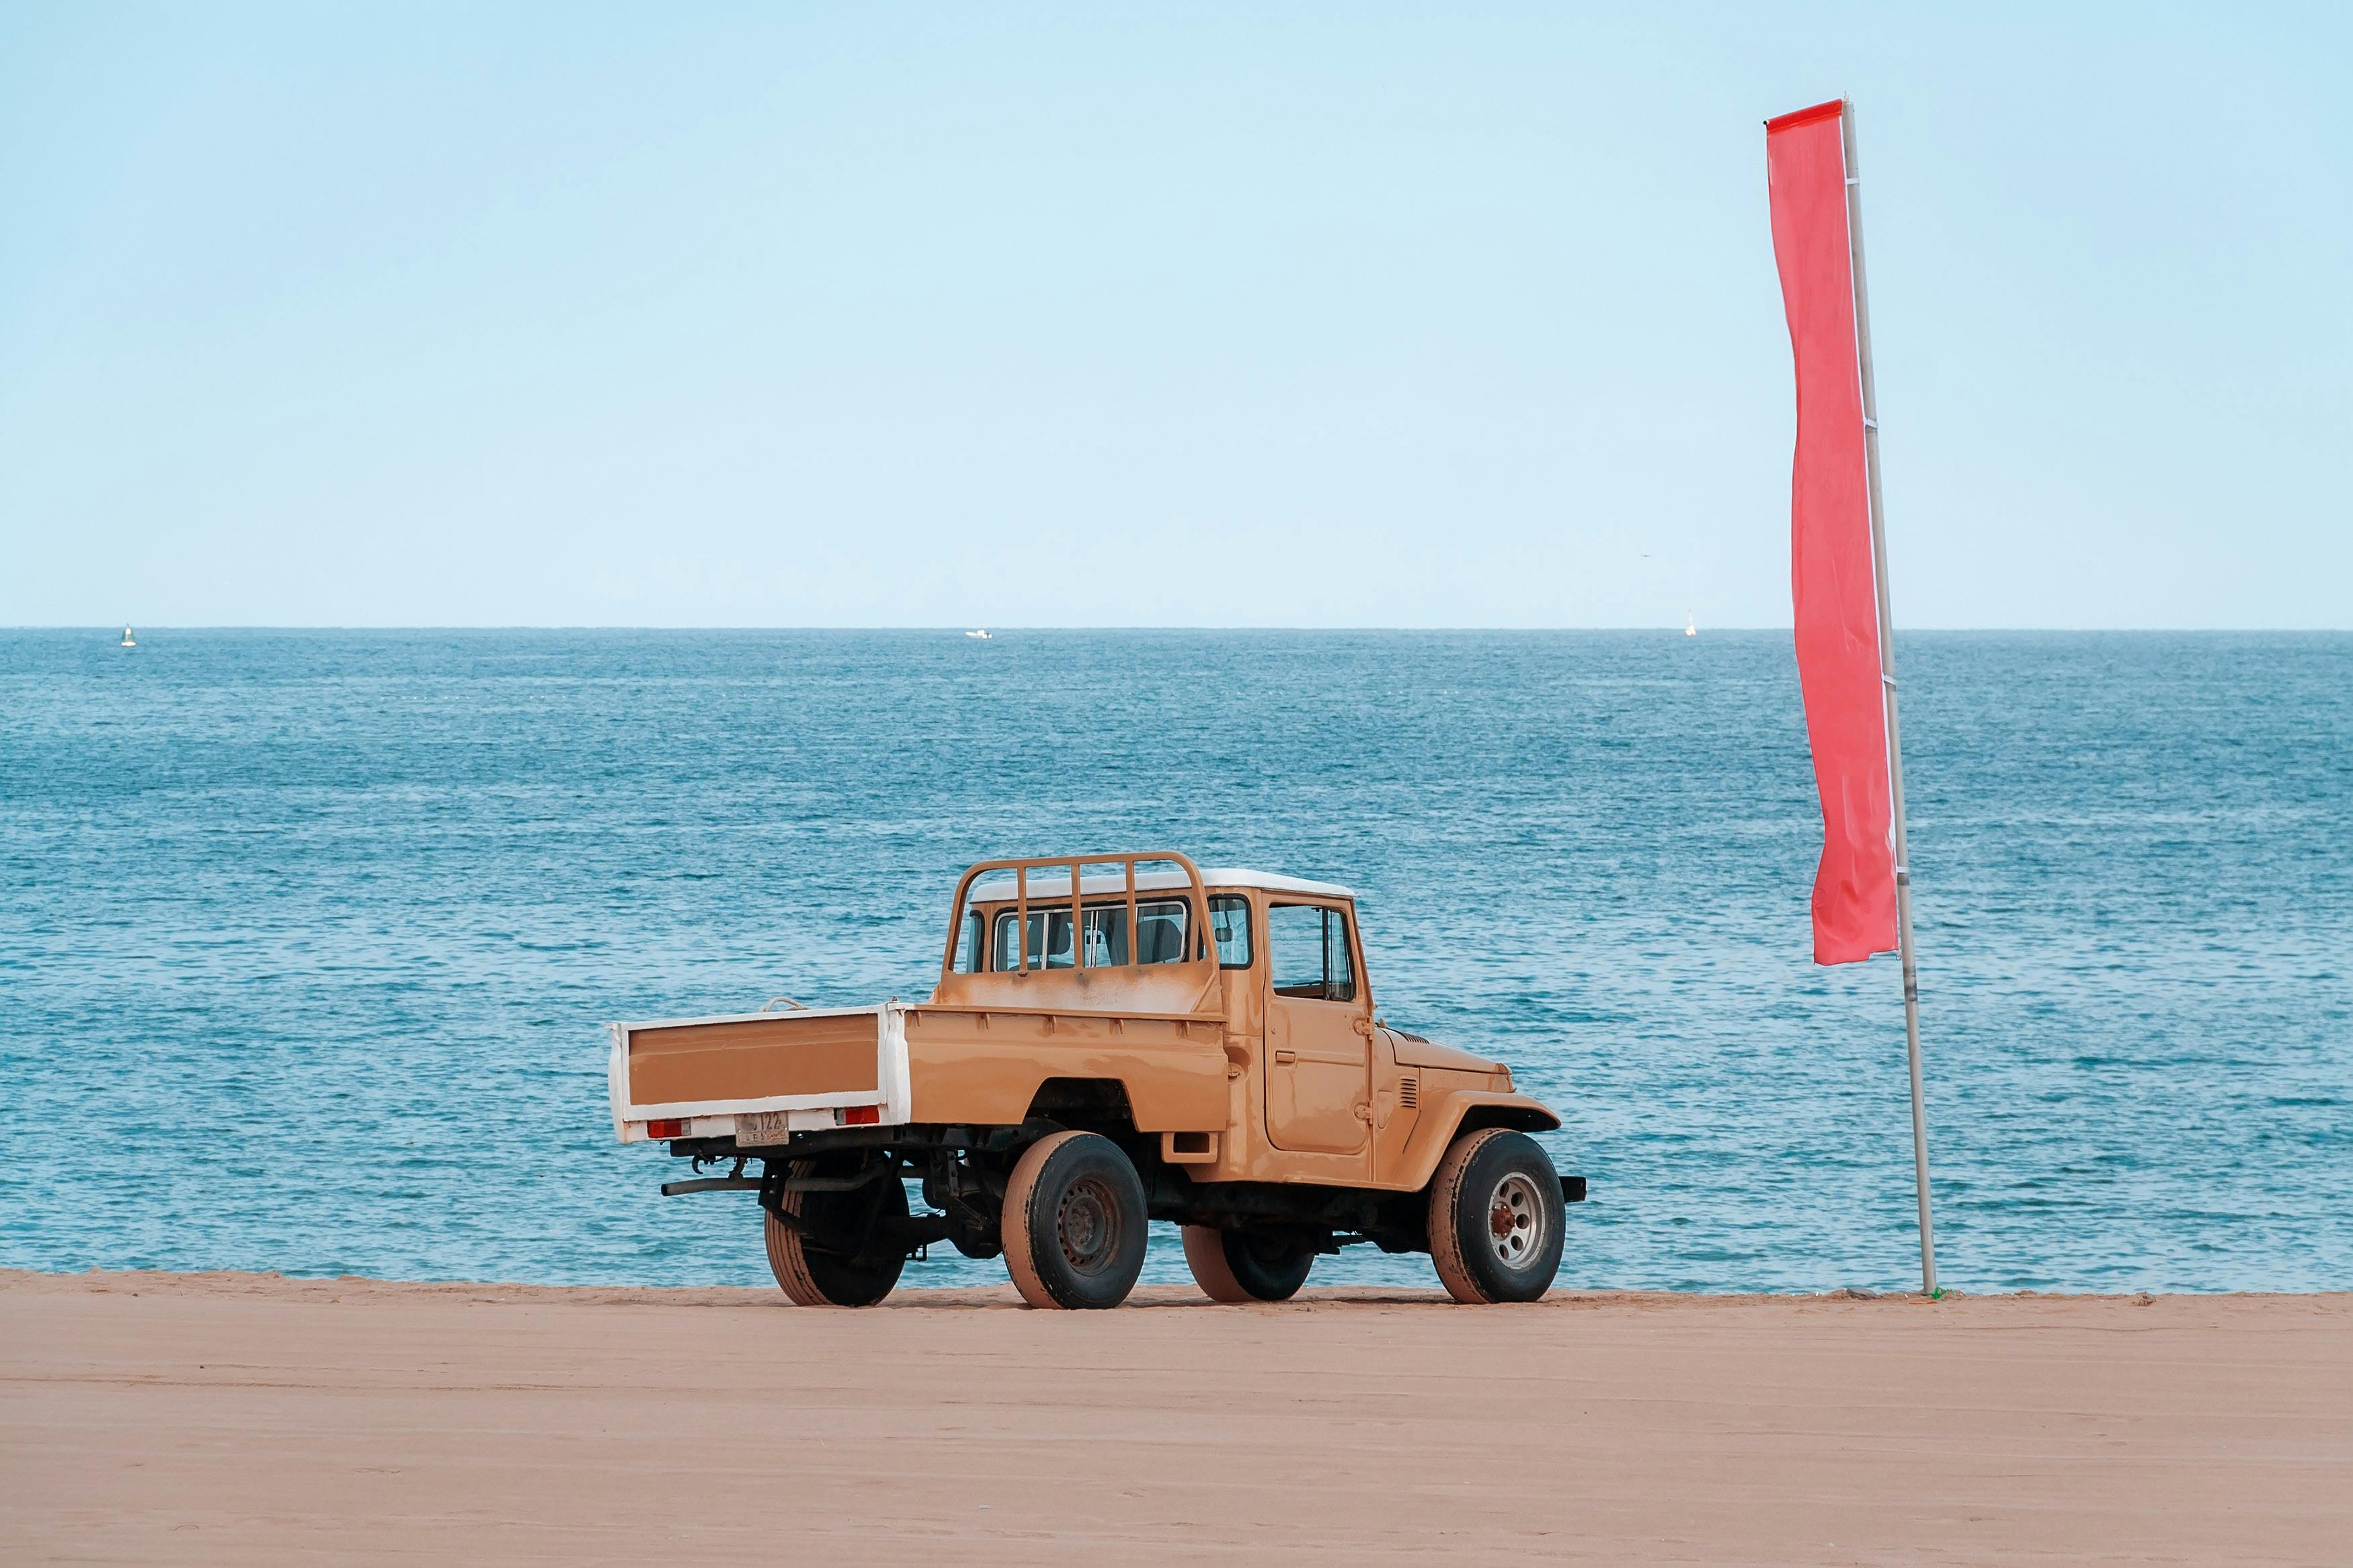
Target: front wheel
[1074,1222]
[1234,1266]
[1497,1217]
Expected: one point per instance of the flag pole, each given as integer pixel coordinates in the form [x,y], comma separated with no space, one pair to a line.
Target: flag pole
[1887,693]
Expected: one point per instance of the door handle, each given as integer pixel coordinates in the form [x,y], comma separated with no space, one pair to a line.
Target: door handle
[1285,1058]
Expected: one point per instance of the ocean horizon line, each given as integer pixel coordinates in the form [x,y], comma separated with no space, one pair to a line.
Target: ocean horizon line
[995,629]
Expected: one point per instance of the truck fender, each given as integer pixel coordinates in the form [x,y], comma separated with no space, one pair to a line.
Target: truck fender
[1467,1111]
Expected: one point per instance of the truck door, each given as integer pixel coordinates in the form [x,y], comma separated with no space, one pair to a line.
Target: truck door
[1318,1034]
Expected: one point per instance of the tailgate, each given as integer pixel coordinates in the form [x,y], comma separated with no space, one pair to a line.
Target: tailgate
[779,1071]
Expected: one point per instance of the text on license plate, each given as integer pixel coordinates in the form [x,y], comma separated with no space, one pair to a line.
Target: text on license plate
[764,1127]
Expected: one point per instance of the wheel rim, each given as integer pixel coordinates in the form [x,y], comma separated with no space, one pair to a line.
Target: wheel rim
[1087,1224]
[1515,1221]
[1267,1254]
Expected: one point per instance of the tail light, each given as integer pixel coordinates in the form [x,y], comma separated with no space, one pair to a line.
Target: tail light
[672,1127]
[862,1116]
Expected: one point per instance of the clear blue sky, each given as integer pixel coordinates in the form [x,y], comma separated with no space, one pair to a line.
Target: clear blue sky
[1163,315]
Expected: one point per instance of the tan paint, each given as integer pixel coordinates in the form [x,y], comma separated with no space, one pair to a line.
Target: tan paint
[1318,1056]
[1291,1089]
[985,1074]
[1412,1052]
[1443,1112]
[754,1057]
[1396,1111]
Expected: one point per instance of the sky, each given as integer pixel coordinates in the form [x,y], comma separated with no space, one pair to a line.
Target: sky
[1153,315]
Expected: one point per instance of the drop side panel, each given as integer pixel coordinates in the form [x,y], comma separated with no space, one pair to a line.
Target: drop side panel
[983,1068]
[784,1056]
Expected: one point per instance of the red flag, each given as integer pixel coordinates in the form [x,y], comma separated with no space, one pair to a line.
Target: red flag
[1832,581]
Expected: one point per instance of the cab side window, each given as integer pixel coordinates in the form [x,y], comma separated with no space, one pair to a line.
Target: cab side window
[1308,947]
[1339,968]
[1229,925]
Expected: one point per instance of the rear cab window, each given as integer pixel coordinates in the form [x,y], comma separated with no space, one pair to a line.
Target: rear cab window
[993,944]
[1161,926]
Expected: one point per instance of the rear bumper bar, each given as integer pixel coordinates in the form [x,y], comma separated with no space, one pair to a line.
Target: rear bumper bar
[711,1184]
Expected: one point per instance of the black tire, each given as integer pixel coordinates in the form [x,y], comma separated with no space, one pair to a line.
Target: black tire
[828,1251]
[1074,1223]
[1496,1218]
[1234,1266]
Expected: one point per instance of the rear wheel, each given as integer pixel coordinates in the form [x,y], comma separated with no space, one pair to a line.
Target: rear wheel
[1246,1266]
[1074,1222]
[1497,1217]
[836,1250]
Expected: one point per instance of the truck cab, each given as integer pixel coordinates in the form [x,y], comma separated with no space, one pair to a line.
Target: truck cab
[1111,1040]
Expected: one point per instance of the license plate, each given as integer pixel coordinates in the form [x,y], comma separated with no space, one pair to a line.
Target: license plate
[764,1127]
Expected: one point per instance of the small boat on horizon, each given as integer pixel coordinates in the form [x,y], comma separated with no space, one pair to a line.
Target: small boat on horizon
[128,640]
[980,632]
[1691,626]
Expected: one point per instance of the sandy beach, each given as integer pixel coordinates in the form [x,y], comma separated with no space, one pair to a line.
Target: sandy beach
[237,1418]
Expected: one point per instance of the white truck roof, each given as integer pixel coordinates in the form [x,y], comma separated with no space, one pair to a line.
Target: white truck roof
[1053,884]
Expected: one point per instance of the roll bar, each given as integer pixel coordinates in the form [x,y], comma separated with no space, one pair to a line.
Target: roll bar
[1198,894]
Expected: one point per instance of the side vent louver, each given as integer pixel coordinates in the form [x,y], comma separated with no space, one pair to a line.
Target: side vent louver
[1408,1093]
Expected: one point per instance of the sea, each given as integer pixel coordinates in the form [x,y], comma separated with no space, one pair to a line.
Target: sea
[308,938]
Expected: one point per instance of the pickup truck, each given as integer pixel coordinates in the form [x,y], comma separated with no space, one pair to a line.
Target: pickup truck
[1114,1039]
